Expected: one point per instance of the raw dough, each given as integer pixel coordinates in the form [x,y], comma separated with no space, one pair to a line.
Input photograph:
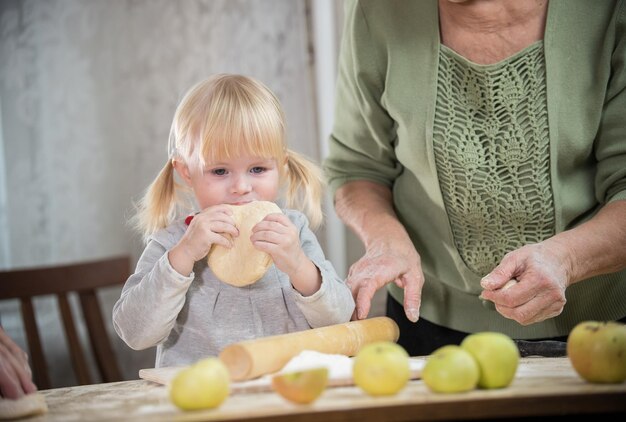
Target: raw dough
[242,264]
[28,405]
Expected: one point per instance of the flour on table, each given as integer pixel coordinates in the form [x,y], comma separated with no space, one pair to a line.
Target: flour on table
[339,366]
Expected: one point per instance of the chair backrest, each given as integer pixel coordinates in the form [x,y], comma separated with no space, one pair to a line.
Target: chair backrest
[84,279]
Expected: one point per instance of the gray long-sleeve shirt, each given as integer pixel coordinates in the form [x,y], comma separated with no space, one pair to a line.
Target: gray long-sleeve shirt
[189,318]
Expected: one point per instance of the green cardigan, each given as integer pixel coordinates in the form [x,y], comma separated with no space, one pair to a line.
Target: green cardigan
[383,133]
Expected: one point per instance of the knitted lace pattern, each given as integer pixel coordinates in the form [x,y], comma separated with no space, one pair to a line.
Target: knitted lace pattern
[492,153]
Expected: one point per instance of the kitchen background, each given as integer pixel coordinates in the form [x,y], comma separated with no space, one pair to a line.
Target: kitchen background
[87,93]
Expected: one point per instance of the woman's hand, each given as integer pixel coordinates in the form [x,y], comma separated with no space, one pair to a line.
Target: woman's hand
[390,259]
[542,277]
[279,237]
[15,373]
[390,256]
[544,270]
[214,225]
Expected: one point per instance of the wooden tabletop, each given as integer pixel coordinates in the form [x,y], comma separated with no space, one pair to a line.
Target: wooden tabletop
[542,386]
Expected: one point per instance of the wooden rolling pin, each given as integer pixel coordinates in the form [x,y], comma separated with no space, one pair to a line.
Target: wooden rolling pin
[253,358]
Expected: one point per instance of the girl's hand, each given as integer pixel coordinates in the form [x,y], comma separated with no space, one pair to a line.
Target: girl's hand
[277,236]
[212,225]
[542,278]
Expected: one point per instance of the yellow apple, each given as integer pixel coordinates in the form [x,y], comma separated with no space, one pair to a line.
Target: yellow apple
[497,357]
[597,351]
[450,369]
[381,368]
[301,387]
[204,385]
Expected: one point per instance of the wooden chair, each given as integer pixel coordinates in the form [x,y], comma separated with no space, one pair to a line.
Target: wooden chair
[84,279]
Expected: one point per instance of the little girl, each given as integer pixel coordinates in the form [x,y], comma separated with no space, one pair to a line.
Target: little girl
[227,145]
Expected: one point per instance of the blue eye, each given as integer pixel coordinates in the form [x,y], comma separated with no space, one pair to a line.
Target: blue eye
[257,170]
[218,172]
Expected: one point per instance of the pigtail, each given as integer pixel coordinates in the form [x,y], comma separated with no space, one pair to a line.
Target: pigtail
[157,207]
[305,185]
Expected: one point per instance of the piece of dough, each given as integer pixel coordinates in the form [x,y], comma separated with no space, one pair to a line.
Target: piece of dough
[28,405]
[243,264]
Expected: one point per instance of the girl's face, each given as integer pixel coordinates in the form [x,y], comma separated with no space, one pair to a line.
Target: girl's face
[234,181]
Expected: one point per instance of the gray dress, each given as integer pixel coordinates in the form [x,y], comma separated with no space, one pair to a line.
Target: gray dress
[189,318]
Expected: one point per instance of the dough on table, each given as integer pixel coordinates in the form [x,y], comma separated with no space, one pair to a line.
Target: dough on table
[28,405]
[242,264]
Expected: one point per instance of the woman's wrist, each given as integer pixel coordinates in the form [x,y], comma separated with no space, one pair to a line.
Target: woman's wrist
[559,247]
[594,247]
[384,229]
[366,207]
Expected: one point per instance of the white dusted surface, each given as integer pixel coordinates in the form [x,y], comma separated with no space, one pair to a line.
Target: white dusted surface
[339,371]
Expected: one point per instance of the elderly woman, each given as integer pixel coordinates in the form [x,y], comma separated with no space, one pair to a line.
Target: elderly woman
[479,153]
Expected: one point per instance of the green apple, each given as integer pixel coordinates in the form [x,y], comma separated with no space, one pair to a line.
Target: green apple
[497,356]
[204,385]
[450,369]
[597,351]
[381,368]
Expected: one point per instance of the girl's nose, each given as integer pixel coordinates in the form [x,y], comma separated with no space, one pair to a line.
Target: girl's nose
[241,185]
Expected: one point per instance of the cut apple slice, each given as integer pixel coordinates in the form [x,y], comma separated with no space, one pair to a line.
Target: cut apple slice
[301,387]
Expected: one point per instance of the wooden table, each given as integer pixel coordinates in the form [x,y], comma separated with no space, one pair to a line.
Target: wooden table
[542,386]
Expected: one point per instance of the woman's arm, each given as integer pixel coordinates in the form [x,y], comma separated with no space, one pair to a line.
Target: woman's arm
[597,246]
[545,270]
[390,256]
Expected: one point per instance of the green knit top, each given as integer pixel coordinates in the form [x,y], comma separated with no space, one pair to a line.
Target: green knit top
[535,145]
[492,150]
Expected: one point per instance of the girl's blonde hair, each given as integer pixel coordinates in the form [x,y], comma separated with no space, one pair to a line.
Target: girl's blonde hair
[221,117]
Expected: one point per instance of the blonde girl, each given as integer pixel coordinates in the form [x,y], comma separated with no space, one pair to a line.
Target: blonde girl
[227,147]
